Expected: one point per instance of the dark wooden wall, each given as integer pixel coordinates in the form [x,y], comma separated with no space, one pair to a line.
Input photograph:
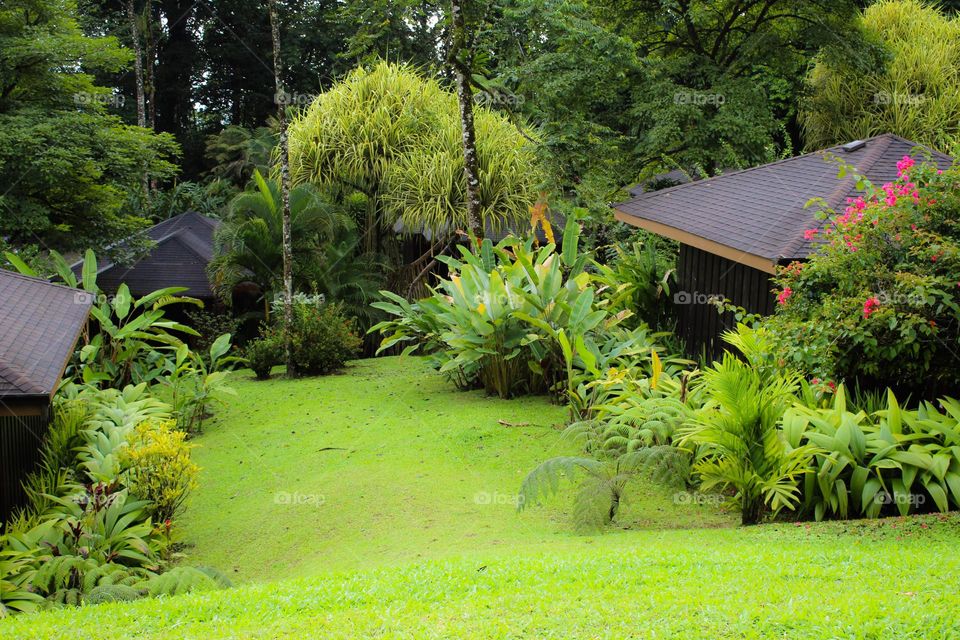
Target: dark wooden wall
[20,441]
[701,275]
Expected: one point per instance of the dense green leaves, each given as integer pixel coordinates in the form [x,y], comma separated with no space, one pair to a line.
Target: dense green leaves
[393,136]
[914,94]
[67,164]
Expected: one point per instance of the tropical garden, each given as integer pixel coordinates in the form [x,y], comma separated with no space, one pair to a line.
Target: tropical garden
[438,390]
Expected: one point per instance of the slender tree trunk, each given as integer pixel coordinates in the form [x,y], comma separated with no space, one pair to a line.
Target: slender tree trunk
[149,62]
[284,190]
[138,79]
[459,58]
[148,74]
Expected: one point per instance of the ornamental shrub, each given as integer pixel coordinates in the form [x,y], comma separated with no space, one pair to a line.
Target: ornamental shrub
[323,338]
[879,301]
[263,354]
[158,466]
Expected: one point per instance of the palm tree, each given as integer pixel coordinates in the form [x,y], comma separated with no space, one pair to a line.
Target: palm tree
[249,245]
[738,441]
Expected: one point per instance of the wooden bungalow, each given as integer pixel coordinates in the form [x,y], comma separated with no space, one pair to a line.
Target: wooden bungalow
[183,248]
[735,229]
[40,323]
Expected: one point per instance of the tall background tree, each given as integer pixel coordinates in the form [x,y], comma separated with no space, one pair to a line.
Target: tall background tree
[461,59]
[66,163]
[414,173]
[915,93]
[284,171]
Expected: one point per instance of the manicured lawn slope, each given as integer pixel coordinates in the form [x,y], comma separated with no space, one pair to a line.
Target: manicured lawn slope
[783,581]
[389,464]
[377,503]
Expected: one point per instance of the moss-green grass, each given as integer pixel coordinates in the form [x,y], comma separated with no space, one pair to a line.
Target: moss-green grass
[390,464]
[406,530]
[782,581]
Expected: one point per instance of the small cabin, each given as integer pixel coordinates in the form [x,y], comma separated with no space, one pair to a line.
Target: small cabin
[40,324]
[736,229]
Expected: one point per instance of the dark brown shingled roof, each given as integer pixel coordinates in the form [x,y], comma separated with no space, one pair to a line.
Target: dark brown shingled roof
[184,248]
[757,216]
[39,326]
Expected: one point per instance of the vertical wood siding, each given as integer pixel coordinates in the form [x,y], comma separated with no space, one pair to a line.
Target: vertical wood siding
[20,440]
[701,275]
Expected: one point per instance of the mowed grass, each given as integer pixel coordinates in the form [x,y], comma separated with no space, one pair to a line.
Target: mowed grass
[379,503]
[893,579]
[384,463]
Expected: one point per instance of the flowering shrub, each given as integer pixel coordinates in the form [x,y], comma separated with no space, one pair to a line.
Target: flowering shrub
[878,301]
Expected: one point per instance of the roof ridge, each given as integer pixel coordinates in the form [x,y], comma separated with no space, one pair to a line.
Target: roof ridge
[184,236]
[38,280]
[109,264]
[775,163]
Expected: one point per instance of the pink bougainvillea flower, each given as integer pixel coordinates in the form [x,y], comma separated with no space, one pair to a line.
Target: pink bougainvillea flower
[870,306]
[784,295]
[904,165]
[810,234]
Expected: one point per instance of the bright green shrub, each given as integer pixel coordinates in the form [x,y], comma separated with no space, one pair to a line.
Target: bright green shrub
[322,338]
[263,354]
[93,538]
[159,468]
[879,301]
[511,319]
[737,440]
[893,461]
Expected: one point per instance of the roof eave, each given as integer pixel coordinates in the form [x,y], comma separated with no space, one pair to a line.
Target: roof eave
[767,265]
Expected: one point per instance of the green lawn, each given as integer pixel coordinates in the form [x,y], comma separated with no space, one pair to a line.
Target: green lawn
[378,503]
[385,464]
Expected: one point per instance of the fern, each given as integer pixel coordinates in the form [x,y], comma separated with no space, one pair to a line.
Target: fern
[601,483]
[180,580]
[112,593]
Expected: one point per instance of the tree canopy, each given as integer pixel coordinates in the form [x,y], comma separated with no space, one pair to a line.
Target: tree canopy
[393,136]
[66,164]
[915,94]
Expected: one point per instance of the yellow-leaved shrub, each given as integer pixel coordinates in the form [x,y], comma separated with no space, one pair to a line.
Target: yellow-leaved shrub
[159,467]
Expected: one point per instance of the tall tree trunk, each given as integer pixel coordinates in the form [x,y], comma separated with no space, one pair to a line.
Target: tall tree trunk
[460,60]
[284,189]
[149,63]
[138,78]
